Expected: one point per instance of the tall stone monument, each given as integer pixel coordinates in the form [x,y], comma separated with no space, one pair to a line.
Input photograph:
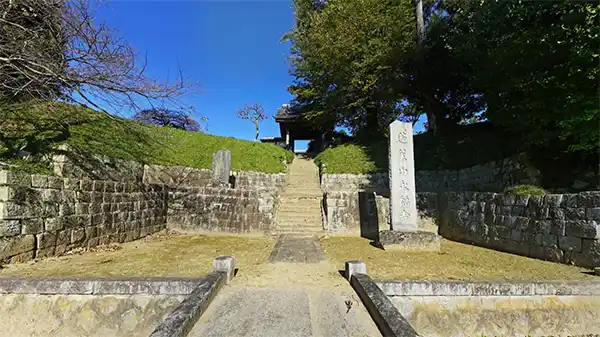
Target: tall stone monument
[221,167]
[404,231]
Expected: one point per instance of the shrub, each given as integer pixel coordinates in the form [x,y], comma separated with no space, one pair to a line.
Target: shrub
[525,190]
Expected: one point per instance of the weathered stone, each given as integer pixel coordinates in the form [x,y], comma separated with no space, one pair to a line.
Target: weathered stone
[409,241]
[592,213]
[577,213]
[221,167]
[10,228]
[39,181]
[14,178]
[11,246]
[56,183]
[569,243]
[583,229]
[32,226]
[403,207]
[549,240]
[46,239]
[553,200]
[515,235]
[11,210]
[558,227]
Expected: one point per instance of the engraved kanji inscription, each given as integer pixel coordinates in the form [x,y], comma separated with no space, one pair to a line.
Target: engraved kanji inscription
[404,201]
[402,153]
[403,136]
[404,215]
[403,171]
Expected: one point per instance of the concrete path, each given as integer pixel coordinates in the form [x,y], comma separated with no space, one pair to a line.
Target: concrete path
[300,249]
[305,298]
[260,312]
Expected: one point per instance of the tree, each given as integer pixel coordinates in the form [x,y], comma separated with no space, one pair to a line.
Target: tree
[254,113]
[167,118]
[535,64]
[346,56]
[54,50]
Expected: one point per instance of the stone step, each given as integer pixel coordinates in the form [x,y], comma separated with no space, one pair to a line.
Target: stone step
[299,229]
[299,208]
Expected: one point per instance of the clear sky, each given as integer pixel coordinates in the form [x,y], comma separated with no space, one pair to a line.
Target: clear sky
[232,48]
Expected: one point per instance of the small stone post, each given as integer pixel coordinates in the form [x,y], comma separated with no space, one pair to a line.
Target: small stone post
[354,267]
[225,264]
[221,167]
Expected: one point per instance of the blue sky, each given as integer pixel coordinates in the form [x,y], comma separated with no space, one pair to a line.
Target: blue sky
[231,48]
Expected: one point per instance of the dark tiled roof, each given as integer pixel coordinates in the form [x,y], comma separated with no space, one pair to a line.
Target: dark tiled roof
[287,112]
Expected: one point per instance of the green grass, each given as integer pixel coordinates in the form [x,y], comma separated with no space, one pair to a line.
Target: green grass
[459,147]
[91,132]
[354,159]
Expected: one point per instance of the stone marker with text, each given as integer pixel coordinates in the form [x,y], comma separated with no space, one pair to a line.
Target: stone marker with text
[403,205]
[404,232]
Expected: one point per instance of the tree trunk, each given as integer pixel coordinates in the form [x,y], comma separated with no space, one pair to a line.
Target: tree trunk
[257,132]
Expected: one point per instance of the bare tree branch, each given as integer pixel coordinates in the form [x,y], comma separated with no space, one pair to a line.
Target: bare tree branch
[254,113]
[54,50]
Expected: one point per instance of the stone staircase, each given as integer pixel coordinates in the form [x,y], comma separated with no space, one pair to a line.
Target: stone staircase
[300,207]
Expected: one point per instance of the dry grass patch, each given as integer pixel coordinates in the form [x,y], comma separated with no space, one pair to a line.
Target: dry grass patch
[455,261]
[166,256]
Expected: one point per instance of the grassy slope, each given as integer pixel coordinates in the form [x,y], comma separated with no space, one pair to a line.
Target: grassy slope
[463,147]
[125,139]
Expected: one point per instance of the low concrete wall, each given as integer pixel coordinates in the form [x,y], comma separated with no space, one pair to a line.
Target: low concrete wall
[450,308]
[104,307]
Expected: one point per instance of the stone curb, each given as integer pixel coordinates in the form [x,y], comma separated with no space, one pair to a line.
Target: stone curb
[125,286]
[385,315]
[182,319]
[457,288]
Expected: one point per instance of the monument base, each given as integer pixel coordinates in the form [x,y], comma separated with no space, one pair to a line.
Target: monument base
[409,241]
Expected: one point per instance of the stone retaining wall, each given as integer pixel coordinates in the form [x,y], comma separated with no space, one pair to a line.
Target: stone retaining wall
[492,176]
[221,209]
[557,227]
[47,215]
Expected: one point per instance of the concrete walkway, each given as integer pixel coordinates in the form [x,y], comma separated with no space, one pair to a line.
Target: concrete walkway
[305,298]
[299,249]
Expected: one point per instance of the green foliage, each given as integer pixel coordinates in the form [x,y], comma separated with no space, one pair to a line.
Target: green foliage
[91,132]
[525,190]
[536,65]
[345,56]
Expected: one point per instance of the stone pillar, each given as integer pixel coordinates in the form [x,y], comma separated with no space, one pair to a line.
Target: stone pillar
[404,232]
[287,139]
[403,204]
[221,167]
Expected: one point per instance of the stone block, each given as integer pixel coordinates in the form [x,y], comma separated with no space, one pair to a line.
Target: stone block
[10,228]
[11,246]
[11,210]
[15,178]
[39,181]
[546,253]
[570,243]
[225,264]
[409,241]
[549,240]
[46,239]
[500,232]
[558,227]
[583,229]
[553,200]
[515,235]
[56,183]
[589,199]
[354,267]
[574,213]
[32,226]
[591,213]
[77,235]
